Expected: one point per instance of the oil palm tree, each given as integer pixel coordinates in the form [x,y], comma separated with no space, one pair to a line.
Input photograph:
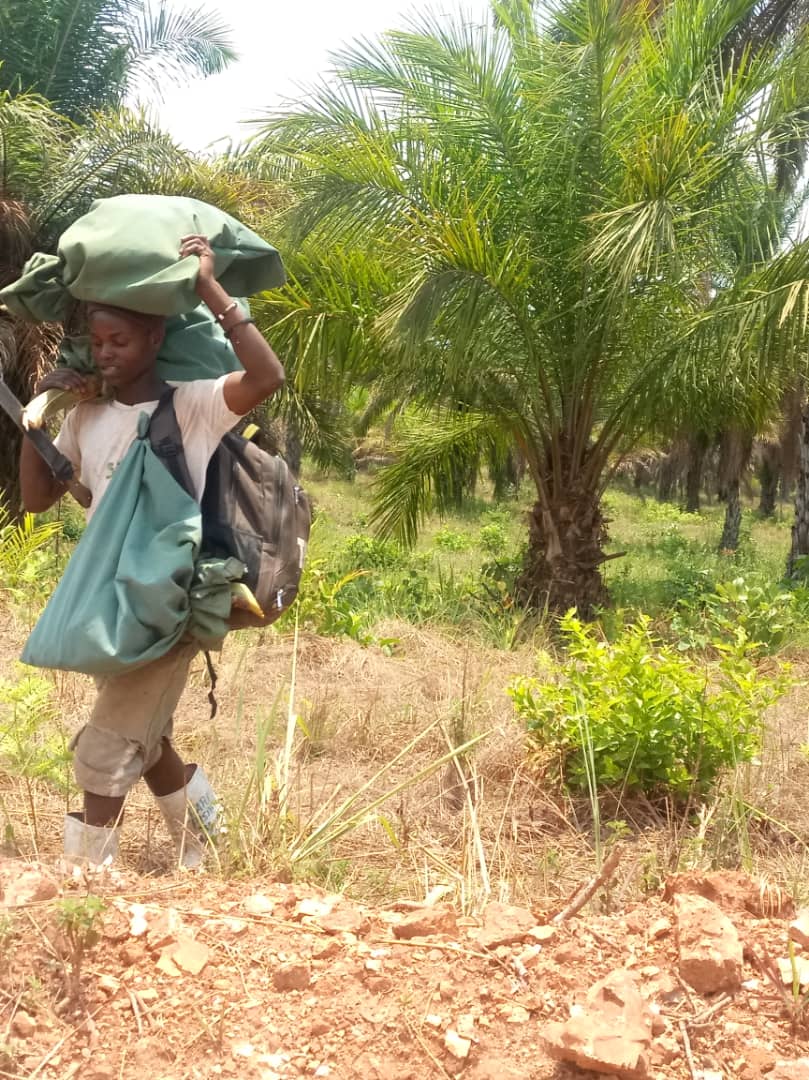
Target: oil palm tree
[50,171]
[85,55]
[547,194]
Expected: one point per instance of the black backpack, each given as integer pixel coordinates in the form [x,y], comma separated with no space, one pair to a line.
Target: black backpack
[252,509]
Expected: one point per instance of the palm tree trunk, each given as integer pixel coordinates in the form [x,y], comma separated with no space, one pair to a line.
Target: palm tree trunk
[733,518]
[293,448]
[736,446]
[769,476]
[666,477]
[800,527]
[697,448]
[566,536]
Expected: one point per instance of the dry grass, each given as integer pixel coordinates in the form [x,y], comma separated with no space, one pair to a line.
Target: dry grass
[492,831]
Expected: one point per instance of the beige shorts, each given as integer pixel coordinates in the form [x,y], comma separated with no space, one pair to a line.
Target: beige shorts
[132,715]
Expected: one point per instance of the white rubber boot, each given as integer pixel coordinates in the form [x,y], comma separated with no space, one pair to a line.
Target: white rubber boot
[89,844]
[191,815]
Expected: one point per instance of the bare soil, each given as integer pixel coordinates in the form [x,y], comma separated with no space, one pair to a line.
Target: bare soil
[375,1007]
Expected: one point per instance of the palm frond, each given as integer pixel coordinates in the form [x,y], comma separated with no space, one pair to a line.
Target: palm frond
[439,456]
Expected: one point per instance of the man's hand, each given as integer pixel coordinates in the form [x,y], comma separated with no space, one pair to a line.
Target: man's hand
[263,373]
[65,378]
[199,246]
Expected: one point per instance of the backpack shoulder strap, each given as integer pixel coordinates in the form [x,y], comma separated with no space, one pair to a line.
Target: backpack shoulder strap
[166,440]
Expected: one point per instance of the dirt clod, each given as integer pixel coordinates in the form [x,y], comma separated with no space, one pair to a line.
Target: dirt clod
[504,924]
[292,976]
[426,922]
[710,950]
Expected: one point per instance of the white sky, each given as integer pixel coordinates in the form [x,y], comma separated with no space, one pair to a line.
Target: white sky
[283,46]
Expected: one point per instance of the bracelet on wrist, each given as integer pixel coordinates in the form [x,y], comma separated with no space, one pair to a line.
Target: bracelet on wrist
[231,307]
[241,322]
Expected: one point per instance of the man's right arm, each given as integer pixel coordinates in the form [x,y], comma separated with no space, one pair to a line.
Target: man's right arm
[38,486]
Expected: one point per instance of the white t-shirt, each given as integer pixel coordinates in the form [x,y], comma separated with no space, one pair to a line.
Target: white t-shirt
[95,436]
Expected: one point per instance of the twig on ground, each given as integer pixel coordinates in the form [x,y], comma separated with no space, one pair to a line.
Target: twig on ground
[54,1050]
[414,1031]
[689,1056]
[133,1001]
[708,1014]
[686,989]
[588,890]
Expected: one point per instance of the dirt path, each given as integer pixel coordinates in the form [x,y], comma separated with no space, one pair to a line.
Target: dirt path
[193,977]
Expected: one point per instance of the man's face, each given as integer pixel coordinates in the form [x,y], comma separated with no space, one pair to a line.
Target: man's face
[123,349]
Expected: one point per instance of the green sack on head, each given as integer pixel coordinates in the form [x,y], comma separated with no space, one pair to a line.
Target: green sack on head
[124,251]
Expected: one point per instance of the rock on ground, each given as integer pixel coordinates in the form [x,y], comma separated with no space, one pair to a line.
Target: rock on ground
[710,950]
[612,1033]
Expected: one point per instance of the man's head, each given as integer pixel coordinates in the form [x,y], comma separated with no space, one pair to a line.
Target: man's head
[124,344]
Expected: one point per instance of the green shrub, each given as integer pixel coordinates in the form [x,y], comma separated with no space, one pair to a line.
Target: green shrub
[493,538]
[636,714]
[766,611]
[449,540]
[368,553]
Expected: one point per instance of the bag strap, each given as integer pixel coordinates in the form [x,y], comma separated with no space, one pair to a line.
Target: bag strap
[166,441]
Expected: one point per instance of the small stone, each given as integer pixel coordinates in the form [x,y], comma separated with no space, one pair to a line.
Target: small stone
[292,976]
[659,929]
[425,922]
[23,1025]
[611,1033]
[191,956]
[32,886]
[504,924]
[108,984]
[373,965]
[138,925]
[542,933]
[243,1050]
[344,920]
[709,945]
[319,1027]
[434,1020]
[446,990]
[465,1026]
[514,1014]
[325,950]
[258,904]
[167,965]
[456,1044]
[799,929]
[801,970]
[379,984]
[148,994]
[312,907]
[797,1069]
[323,1070]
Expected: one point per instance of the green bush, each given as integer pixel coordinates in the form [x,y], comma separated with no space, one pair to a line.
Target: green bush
[493,538]
[368,553]
[449,540]
[768,612]
[638,715]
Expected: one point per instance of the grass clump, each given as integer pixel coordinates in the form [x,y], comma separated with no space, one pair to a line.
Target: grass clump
[638,715]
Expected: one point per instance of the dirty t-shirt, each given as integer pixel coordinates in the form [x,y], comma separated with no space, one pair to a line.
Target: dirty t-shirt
[95,436]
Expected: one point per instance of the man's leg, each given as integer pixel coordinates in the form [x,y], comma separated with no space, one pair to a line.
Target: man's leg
[168,774]
[104,811]
[122,740]
[187,803]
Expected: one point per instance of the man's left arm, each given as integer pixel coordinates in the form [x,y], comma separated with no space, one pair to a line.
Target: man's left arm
[263,372]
